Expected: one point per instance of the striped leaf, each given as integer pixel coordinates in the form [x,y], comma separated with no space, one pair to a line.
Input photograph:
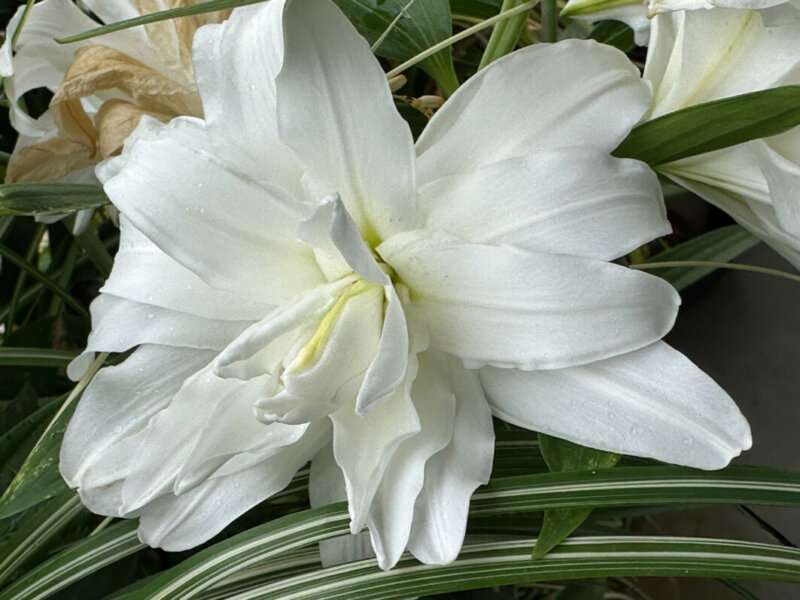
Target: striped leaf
[76,562]
[38,533]
[49,198]
[624,486]
[504,563]
[35,357]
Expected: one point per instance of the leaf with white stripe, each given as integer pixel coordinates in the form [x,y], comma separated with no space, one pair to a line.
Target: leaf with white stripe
[623,486]
[79,560]
[38,533]
[504,563]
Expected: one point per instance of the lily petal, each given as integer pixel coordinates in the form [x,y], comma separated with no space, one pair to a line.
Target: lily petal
[263,242]
[336,111]
[579,201]
[239,100]
[653,402]
[508,307]
[601,97]
[379,433]
[392,508]
[176,288]
[182,522]
[120,401]
[453,474]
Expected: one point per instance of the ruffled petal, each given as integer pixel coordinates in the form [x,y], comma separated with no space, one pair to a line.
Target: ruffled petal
[509,307]
[451,475]
[145,274]
[574,93]
[251,251]
[119,402]
[392,509]
[379,433]
[336,111]
[653,402]
[239,100]
[181,522]
[579,201]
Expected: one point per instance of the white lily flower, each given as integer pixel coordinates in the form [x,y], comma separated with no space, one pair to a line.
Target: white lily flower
[700,56]
[101,86]
[637,14]
[303,282]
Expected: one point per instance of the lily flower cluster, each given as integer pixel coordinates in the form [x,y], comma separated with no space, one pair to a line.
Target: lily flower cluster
[302,281]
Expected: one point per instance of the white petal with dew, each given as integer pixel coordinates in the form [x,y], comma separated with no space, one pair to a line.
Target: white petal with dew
[364,445]
[390,516]
[508,307]
[653,402]
[579,201]
[453,474]
[181,522]
[236,232]
[120,401]
[574,93]
[336,111]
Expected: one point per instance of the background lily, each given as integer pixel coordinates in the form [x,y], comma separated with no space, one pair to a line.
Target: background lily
[304,282]
[637,14]
[101,87]
[699,56]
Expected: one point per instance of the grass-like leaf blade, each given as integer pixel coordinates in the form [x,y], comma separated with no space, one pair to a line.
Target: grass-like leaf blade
[623,486]
[719,245]
[30,199]
[713,126]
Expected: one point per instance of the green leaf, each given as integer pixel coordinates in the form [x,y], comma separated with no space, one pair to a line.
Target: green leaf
[623,486]
[406,28]
[37,533]
[35,357]
[713,125]
[504,35]
[49,198]
[720,245]
[561,456]
[38,479]
[483,565]
[18,442]
[77,561]
[475,9]
[614,34]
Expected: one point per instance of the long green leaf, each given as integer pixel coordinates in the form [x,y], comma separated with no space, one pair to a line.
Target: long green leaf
[713,125]
[37,533]
[405,28]
[719,245]
[562,456]
[39,479]
[76,562]
[624,486]
[49,198]
[16,443]
[47,281]
[35,357]
[503,563]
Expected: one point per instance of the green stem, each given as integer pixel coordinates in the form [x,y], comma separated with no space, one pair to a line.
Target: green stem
[48,282]
[505,35]
[458,37]
[674,264]
[68,267]
[18,287]
[24,18]
[549,21]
